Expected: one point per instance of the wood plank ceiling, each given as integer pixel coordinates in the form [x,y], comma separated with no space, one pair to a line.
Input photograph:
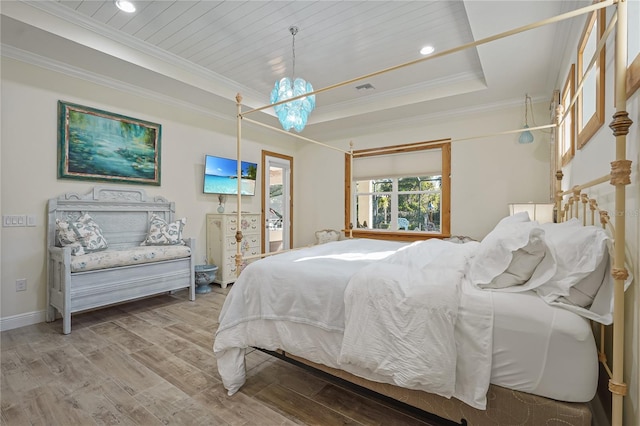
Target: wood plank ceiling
[245,46]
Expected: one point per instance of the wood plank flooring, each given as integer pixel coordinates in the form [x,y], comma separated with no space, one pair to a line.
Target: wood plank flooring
[150,362]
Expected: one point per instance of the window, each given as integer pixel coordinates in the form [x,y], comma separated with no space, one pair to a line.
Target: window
[566,147]
[590,114]
[400,192]
[399,204]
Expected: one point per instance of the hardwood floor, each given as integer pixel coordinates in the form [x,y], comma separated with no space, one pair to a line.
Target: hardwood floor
[150,362]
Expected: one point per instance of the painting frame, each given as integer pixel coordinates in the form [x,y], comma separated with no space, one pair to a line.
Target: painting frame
[102,146]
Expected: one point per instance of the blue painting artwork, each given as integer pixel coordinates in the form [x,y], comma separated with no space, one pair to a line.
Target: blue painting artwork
[102,146]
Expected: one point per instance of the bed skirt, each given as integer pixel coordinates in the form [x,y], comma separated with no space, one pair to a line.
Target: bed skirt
[504,406]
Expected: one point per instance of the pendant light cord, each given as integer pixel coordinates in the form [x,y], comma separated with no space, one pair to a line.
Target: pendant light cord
[526,109]
[528,104]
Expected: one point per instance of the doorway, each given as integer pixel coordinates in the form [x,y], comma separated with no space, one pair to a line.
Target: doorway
[277,201]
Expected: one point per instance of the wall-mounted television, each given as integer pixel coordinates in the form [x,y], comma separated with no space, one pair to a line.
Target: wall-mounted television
[220,176]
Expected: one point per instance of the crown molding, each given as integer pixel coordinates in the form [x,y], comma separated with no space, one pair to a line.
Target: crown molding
[166,63]
[111,83]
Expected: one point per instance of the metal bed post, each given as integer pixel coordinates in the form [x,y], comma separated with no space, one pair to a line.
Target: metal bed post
[239,183]
[620,177]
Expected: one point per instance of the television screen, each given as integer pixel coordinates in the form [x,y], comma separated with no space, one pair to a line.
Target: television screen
[220,176]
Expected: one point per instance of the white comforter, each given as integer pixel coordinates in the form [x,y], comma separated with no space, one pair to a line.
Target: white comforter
[402,314]
[401,317]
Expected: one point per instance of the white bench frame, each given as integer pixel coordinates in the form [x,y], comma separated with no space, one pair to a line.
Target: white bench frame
[123,216]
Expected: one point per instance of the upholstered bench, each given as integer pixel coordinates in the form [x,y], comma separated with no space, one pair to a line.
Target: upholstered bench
[113,245]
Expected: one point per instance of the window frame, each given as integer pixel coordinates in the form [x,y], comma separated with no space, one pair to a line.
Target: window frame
[587,127]
[395,194]
[568,92]
[445,200]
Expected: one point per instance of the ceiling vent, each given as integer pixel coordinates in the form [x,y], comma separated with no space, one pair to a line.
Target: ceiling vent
[365,86]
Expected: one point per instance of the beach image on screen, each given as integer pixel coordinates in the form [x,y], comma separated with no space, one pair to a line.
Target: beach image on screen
[220,176]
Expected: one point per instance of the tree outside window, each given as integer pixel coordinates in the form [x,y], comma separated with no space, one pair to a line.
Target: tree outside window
[400,192]
[399,204]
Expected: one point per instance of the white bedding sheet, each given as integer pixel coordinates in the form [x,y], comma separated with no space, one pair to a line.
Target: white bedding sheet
[542,349]
[537,348]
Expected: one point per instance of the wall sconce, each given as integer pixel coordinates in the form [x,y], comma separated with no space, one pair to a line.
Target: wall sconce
[540,212]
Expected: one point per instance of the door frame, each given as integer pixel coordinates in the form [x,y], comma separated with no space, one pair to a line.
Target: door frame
[265,194]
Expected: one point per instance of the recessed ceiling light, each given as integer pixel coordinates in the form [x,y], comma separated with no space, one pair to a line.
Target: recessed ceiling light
[125,6]
[427,50]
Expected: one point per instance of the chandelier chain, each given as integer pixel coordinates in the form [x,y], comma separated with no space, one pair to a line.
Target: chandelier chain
[294,31]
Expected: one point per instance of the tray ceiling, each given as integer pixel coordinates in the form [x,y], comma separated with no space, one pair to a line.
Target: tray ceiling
[204,52]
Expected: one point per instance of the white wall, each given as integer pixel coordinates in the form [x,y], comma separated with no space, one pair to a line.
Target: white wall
[487,173]
[29,169]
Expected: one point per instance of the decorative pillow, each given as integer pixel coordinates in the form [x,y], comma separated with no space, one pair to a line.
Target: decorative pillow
[83,235]
[162,233]
[513,257]
[326,236]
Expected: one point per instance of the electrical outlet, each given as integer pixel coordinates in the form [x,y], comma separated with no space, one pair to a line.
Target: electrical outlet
[21,284]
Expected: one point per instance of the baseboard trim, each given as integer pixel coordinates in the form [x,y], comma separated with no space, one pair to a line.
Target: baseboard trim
[597,410]
[21,320]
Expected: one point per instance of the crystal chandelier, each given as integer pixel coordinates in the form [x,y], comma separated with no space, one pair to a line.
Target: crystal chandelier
[293,114]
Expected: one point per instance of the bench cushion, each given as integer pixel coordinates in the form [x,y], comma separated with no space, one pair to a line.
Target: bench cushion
[133,256]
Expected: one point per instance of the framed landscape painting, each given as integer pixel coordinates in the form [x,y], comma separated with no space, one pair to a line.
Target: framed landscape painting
[102,146]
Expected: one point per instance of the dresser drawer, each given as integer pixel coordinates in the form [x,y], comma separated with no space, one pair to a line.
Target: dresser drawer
[247,224]
[249,242]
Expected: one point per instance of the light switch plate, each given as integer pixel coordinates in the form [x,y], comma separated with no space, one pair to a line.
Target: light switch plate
[14,220]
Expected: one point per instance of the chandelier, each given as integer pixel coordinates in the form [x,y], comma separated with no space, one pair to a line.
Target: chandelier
[293,114]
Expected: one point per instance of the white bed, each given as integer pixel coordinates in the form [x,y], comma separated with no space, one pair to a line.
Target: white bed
[302,303]
[554,355]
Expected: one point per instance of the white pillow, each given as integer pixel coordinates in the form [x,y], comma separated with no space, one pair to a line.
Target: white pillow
[581,253]
[585,290]
[516,218]
[578,250]
[523,263]
[512,257]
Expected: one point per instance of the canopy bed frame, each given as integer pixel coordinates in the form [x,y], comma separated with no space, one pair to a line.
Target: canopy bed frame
[504,403]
